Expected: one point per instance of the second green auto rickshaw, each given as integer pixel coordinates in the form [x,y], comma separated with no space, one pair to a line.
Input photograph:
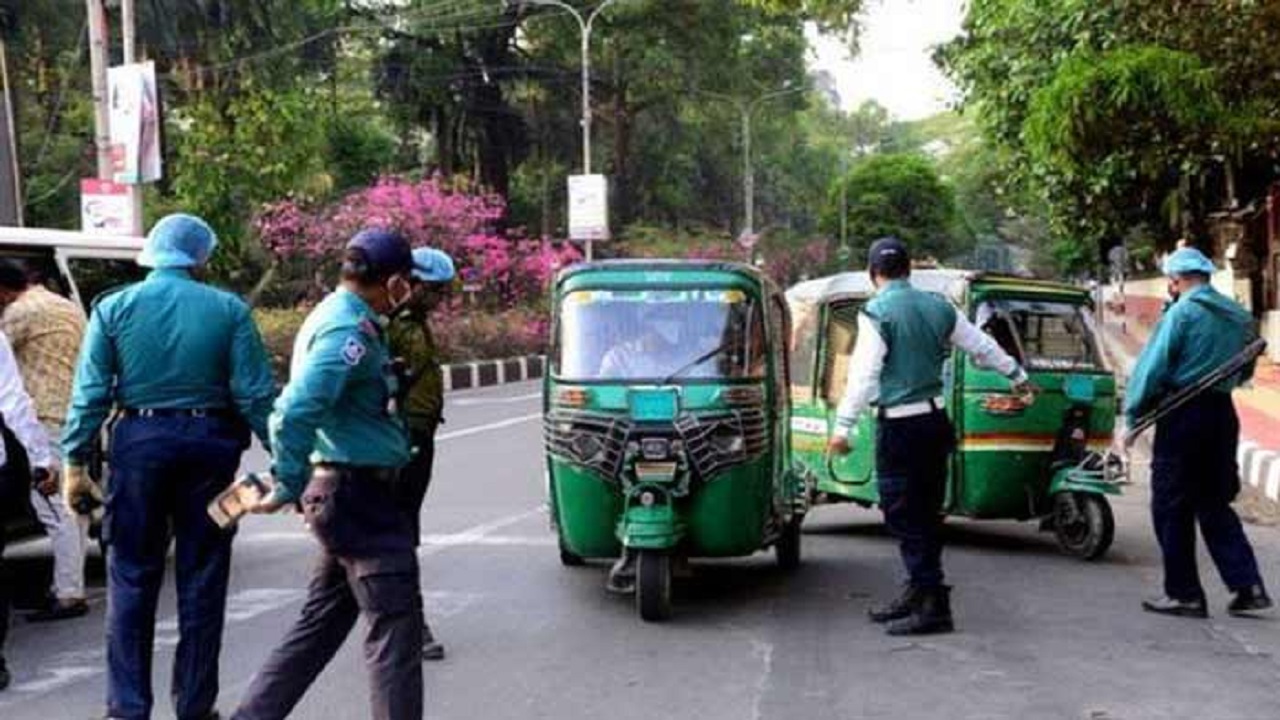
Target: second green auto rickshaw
[1017,459]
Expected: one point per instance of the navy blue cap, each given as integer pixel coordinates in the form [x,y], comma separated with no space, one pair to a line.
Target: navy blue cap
[886,253]
[386,251]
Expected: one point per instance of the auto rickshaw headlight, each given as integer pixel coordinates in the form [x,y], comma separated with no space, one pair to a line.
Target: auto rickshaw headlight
[573,397]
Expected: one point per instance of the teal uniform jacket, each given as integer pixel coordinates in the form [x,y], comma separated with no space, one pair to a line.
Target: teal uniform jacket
[168,342]
[338,406]
[1199,332]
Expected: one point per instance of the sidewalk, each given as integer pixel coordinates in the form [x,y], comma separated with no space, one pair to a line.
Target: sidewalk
[1258,406]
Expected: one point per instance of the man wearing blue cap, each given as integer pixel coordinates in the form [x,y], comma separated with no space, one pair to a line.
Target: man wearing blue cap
[904,337]
[422,387]
[340,445]
[1194,476]
[185,371]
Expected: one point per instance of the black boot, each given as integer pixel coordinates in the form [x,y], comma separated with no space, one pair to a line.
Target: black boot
[431,648]
[931,614]
[1249,600]
[897,608]
[4,674]
[622,576]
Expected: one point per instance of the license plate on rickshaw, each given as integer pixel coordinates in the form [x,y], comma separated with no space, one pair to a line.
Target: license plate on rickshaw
[654,404]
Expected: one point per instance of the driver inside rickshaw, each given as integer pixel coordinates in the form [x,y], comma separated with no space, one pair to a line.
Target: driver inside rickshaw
[662,346]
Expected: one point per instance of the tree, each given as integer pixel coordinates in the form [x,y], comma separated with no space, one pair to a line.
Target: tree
[1124,114]
[898,194]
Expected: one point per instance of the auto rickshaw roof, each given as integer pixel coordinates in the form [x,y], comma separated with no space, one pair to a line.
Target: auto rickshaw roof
[946,282]
[660,273]
[950,283]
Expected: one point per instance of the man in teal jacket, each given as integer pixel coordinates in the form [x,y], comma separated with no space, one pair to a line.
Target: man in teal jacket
[904,337]
[1194,476]
[183,367]
[340,443]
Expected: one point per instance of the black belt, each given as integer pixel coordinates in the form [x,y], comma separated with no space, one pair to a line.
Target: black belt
[365,472]
[219,413]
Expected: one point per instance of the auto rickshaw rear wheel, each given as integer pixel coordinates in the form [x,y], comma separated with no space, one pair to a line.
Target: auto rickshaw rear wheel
[569,558]
[653,585]
[1083,524]
[787,548]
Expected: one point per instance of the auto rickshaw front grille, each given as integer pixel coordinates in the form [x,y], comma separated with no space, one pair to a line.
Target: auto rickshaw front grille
[709,439]
[593,440]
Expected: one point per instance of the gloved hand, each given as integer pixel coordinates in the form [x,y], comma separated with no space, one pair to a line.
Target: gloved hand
[79,491]
[45,481]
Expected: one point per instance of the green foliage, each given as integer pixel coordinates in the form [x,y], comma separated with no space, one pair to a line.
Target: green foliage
[899,194]
[230,159]
[1110,116]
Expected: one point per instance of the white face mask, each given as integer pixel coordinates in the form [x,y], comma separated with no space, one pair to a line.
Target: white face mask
[398,284]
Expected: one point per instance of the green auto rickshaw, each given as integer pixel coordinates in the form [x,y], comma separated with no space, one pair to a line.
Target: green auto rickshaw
[1019,459]
[667,423]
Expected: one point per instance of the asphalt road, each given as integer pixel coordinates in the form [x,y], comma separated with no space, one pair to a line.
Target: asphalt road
[1041,635]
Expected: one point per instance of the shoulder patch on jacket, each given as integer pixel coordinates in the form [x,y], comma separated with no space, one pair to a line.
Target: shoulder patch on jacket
[353,351]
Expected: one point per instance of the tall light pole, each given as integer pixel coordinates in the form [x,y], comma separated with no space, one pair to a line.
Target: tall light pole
[585,25]
[747,108]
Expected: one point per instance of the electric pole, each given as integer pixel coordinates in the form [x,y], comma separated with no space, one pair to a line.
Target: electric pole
[98,73]
[129,25]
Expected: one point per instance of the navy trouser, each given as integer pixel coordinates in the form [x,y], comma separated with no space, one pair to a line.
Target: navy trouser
[1194,478]
[911,472]
[367,566]
[164,473]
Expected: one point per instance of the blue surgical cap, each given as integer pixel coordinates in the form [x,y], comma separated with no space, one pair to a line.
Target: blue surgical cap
[431,265]
[178,241]
[1186,261]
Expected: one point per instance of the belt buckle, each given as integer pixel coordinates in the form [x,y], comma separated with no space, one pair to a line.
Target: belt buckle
[147,413]
[199,413]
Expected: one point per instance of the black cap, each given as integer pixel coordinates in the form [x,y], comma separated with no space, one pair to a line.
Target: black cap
[386,251]
[889,256]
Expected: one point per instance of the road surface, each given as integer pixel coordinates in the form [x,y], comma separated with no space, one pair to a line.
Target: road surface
[1041,635]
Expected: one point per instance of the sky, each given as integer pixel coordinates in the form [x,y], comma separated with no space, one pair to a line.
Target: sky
[894,66]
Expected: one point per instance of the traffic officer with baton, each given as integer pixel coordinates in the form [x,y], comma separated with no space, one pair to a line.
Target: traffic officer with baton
[904,337]
[418,359]
[340,444]
[185,371]
[1194,475]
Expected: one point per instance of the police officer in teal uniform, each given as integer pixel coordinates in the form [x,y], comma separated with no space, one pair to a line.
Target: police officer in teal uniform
[1194,475]
[904,337]
[185,371]
[340,444]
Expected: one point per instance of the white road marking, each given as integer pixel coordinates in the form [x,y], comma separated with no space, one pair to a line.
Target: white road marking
[475,535]
[69,668]
[466,432]
[468,402]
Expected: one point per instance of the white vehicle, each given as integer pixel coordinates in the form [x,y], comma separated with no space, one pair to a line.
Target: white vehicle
[77,265]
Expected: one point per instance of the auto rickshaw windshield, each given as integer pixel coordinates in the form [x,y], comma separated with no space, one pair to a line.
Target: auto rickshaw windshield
[658,335]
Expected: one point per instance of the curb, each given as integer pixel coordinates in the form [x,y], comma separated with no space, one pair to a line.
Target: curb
[490,373]
[1259,466]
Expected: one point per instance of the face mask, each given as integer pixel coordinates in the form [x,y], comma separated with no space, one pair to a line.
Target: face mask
[399,295]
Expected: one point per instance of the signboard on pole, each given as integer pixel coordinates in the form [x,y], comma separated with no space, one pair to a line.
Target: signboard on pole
[135,123]
[588,207]
[105,207]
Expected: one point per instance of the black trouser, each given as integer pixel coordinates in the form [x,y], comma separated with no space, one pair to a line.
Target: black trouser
[15,480]
[416,476]
[367,566]
[1194,478]
[911,472]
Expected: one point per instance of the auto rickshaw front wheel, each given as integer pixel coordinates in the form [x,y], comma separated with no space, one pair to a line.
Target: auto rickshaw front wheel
[653,585]
[1083,524]
[787,548]
[569,558]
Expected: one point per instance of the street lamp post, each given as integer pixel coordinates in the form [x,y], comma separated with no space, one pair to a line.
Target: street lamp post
[585,24]
[747,109]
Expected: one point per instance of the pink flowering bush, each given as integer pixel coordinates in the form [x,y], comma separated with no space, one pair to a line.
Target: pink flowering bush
[505,268]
